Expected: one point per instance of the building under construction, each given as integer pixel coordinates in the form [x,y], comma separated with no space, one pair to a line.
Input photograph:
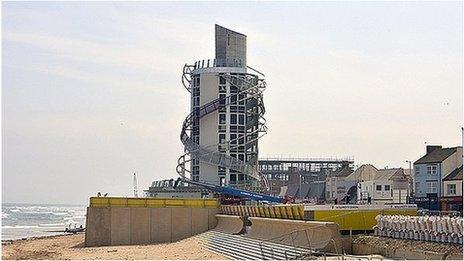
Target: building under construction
[220,135]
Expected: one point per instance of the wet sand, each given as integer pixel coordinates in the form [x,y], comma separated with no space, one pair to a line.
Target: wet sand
[72,247]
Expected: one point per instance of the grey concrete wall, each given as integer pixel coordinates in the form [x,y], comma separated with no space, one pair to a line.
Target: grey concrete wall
[140,220]
[212,220]
[199,216]
[97,230]
[181,225]
[132,226]
[120,226]
[160,225]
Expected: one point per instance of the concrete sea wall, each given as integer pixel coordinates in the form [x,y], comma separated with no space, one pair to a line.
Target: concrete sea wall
[140,224]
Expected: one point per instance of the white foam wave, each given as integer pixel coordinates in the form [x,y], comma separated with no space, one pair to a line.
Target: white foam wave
[60,213]
[52,225]
[20,227]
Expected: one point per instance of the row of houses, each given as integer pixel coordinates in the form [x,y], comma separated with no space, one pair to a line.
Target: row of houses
[435,182]
[438,179]
[367,184]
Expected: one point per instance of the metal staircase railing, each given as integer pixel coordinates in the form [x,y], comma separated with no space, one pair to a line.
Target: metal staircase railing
[250,88]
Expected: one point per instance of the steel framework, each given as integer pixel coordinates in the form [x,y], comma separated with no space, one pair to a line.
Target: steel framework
[250,91]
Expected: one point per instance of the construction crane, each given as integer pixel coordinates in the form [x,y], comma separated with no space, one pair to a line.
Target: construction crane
[136,192]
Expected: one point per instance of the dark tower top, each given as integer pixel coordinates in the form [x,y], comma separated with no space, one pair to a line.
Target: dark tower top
[230,47]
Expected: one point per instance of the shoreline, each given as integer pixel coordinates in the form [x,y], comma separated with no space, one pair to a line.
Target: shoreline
[71,246]
[23,239]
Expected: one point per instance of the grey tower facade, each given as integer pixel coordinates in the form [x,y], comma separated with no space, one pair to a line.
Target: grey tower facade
[230,45]
[221,132]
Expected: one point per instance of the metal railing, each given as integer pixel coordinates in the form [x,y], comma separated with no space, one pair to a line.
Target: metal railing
[208,63]
[250,88]
[451,213]
[307,159]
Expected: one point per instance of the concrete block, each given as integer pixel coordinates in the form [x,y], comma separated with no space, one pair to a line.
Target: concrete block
[313,234]
[181,223]
[199,220]
[120,226]
[160,225]
[229,224]
[212,219]
[140,226]
[97,232]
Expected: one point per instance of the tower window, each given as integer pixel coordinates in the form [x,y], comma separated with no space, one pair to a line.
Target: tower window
[228,39]
[222,80]
[233,119]
[241,119]
[222,137]
[222,98]
[222,118]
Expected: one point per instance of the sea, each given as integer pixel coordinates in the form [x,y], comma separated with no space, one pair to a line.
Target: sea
[35,220]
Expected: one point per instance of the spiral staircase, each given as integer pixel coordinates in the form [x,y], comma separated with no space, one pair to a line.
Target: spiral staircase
[250,91]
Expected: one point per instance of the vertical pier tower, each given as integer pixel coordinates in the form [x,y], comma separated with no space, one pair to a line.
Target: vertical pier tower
[220,135]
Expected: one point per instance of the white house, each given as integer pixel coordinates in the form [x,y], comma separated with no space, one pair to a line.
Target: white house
[380,186]
[336,186]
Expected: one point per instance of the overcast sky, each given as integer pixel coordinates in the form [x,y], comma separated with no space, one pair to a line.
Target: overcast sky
[91,92]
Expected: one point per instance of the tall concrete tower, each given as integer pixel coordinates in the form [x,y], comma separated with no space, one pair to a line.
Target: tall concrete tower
[221,133]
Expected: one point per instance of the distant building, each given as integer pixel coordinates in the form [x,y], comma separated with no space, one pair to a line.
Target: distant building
[336,187]
[376,186]
[430,174]
[452,194]
[286,171]
[165,189]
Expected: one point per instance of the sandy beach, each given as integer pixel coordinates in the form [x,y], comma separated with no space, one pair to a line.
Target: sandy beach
[72,247]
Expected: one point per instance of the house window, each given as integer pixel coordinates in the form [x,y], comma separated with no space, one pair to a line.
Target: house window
[378,187]
[387,187]
[431,187]
[432,169]
[417,170]
[451,189]
[417,187]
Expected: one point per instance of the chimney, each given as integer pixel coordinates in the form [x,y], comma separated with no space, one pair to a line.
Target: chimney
[430,148]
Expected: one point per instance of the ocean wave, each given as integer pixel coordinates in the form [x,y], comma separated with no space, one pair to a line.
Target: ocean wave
[52,225]
[60,213]
[19,227]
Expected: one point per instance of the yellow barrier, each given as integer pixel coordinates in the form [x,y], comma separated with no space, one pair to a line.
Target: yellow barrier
[153,202]
[356,219]
[347,217]
[281,211]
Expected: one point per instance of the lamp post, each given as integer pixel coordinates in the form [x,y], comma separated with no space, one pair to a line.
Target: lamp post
[411,180]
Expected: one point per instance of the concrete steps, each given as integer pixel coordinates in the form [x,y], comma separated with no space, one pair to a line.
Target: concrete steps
[240,247]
